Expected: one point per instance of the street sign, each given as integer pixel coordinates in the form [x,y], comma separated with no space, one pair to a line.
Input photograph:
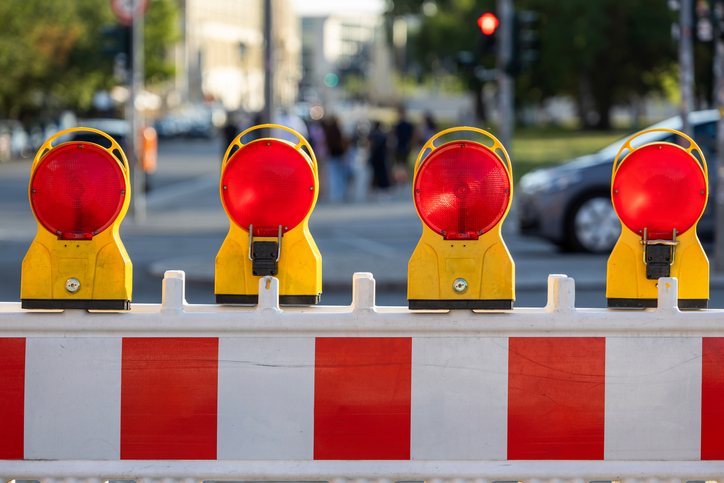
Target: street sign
[269,188]
[79,193]
[462,192]
[123,9]
[659,191]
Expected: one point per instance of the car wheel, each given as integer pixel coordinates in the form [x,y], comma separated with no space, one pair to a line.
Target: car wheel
[593,225]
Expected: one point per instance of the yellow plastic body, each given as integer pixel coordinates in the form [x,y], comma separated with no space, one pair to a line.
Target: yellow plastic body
[626,276]
[485,264]
[101,265]
[300,263]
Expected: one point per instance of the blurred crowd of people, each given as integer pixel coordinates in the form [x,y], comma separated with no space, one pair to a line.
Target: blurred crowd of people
[358,162]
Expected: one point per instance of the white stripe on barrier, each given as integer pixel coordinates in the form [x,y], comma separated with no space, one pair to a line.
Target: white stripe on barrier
[653,399]
[73,398]
[459,398]
[266,398]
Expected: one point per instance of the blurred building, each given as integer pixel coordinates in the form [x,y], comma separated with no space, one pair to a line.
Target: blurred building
[351,47]
[222,56]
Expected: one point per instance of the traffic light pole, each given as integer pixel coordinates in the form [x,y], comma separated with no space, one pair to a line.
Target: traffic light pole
[135,118]
[686,63]
[268,59]
[506,85]
[718,11]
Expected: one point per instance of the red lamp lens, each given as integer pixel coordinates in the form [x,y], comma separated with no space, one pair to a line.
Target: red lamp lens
[78,190]
[462,190]
[268,183]
[659,187]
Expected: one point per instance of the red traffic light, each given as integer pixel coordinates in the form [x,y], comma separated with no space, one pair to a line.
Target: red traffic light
[271,184]
[462,190]
[488,23]
[659,187]
[77,191]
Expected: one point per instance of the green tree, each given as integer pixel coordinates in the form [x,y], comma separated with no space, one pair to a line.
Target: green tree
[448,28]
[50,57]
[160,33]
[600,52]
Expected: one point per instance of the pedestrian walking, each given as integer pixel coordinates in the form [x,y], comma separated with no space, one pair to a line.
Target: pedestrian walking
[287,119]
[428,128]
[359,155]
[337,172]
[230,131]
[404,131]
[378,157]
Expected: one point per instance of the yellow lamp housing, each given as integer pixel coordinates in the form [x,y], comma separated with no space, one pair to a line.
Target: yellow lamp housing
[659,191]
[269,187]
[462,192]
[79,193]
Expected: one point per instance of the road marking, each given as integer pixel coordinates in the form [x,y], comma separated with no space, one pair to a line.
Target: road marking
[369,246]
[183,188]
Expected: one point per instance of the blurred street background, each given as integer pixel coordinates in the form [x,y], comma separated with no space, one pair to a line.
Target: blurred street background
[367,84]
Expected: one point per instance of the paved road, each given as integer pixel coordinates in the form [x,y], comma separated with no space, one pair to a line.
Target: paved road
[186,225]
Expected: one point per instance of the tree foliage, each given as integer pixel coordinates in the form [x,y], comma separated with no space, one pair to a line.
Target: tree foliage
[160,33]
[600,52]
[442,36]
[50,56]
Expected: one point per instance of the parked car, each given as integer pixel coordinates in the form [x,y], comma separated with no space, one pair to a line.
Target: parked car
[570,204]
[193,122]
[115,128]
[14,141]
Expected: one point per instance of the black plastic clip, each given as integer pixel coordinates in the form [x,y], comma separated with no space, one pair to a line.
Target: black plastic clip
[659,256]
[264,255]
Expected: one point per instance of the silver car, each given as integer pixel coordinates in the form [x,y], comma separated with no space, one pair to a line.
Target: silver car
[570,204]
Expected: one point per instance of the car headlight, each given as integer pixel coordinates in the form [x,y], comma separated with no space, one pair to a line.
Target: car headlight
[548,181]
[535,181]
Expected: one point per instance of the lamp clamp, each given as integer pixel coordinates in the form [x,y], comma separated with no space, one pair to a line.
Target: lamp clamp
[659,255]
[264,254]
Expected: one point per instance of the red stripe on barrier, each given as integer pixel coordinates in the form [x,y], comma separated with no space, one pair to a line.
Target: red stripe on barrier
[362,397]
[169,390]
[712,395]
[556,398]
[12,402]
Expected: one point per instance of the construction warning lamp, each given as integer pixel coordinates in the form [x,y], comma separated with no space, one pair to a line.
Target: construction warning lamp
[462,192]
[269,188]
[659,191]
[79,193]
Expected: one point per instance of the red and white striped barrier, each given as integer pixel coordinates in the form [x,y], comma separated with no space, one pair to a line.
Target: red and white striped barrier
[337,392]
